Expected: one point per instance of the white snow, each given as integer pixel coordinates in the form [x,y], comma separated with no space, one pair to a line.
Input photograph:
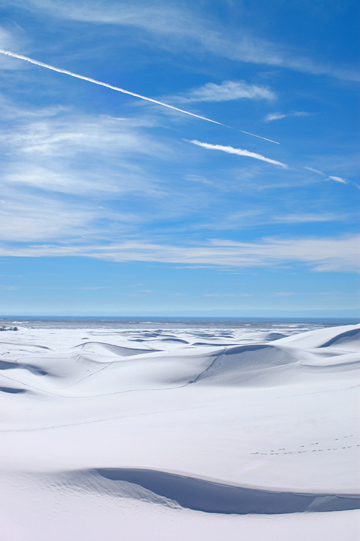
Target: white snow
[183,433]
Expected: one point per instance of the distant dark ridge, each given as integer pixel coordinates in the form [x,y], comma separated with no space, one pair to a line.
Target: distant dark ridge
[164,322]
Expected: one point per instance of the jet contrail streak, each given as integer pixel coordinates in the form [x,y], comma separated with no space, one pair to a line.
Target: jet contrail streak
[239,152]
[260,136]
[94,81]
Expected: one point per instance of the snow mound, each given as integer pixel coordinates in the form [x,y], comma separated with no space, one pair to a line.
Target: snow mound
[104,348]
[244,364]
[96,430]
[206,495]
[346,339]
[348,336]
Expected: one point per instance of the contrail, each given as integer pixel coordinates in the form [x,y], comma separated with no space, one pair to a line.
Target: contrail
[238,151]
[94,81]
[260,136]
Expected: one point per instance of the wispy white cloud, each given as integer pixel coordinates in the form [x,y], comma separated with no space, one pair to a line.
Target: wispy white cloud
[32,218]
[314,171]
[274,116]
[61,150]
[10,40]
[238,152]
[253,217]
[228,295]
[323,254]
[5,37]
[339,254]
[309,218]
[29,214]
[278,116]
[182,28]
[57,177]
[68,135]
[338,179]
[227,91]
[341,180]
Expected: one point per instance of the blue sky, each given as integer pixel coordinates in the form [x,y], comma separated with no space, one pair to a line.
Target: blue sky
[115,204]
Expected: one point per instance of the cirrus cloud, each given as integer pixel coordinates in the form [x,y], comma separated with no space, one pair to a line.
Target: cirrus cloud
[338,179]
[338,254]
[227,91]
[279,116]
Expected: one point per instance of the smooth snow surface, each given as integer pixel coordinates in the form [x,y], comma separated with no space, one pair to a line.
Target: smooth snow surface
[183,433]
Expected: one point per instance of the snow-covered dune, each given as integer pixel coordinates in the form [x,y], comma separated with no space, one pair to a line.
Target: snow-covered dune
[212,431]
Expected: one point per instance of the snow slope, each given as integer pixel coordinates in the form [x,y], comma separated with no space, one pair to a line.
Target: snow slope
[183,433]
